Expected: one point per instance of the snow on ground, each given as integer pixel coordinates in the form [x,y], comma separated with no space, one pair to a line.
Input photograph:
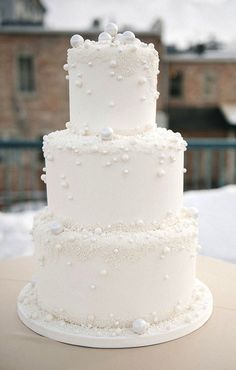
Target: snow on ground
[217,225]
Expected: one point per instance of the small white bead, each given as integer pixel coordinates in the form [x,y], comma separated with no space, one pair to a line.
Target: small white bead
[70,197]
[160,173]
[104,37]
[184,170]
[106,133]
[166,277]
[49,317]
[142,81]
[125,171]
[128,36]
[79,83]
[113,63]
[143,98]
[64,184]
[90,64]
[98,231]
[166,250]
[116,251]
[119,78]
[103,272]
[43,178]
[68,263]
[89,92]
[112,29]
[76,40]
[66,67]
[111,104]
[67,77]
[112,73]
[56,228]
[139,326]
[78,163]
[125,157]
[93,286]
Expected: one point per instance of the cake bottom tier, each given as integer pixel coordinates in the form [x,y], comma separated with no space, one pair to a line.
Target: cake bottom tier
[182,324]
[121,277]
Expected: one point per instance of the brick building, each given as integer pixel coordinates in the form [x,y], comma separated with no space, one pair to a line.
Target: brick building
[198,90]
[33,92]
[201,95]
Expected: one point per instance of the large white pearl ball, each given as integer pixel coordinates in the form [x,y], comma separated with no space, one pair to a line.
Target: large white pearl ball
[76,40]
[56,228]
[112,29]
[128,36]
[106,133]
[104,37]
[139,326]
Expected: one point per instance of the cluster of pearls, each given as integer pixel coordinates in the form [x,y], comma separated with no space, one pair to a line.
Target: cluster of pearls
[109,35]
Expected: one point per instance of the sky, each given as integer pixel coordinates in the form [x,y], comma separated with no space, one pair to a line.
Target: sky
[184,21]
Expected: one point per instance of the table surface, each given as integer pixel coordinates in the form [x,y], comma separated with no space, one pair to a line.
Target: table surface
[212,347]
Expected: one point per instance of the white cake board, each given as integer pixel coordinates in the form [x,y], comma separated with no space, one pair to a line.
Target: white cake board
[42,323]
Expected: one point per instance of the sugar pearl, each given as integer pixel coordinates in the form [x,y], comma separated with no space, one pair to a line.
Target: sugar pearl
[161,173]
[56,228]
[104,37]
[106,133]
[113,63]
[66,67]
[103,272]
[125,171]
[98,231]
[139,326]
[125,157]
[119,78]
[43,178]
[142,80]
[79,83]
[184,170]
[128,36]
[93,286]
[64,184]
[76,40]
[112,29]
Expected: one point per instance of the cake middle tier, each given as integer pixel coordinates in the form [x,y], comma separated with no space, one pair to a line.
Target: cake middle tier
[136,179]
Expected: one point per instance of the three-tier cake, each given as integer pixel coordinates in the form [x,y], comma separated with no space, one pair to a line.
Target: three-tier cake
[115,249]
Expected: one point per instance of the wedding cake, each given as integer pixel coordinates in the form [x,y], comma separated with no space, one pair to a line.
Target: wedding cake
[115,248]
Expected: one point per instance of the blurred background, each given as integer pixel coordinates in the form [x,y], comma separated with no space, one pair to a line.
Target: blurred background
[196,40]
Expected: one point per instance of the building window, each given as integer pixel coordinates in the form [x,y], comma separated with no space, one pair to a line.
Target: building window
[26,76]
[209,84]
[176,85]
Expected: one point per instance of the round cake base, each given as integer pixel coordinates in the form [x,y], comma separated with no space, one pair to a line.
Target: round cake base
[45,324]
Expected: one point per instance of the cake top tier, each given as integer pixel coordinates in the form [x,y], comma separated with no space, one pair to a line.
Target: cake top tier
[112,83]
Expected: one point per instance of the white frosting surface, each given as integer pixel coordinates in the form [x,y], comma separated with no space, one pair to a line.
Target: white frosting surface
[112,83]
[101,277]
[126,179]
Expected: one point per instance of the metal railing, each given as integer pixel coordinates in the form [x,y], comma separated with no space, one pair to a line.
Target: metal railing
[209,162]
[21,164]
